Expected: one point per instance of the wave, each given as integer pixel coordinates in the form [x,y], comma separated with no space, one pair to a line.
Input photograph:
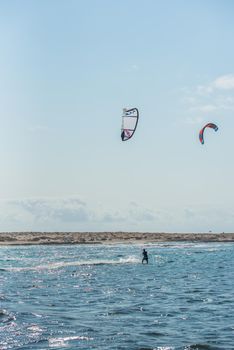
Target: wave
[62,341]
[6,317]
[59,265]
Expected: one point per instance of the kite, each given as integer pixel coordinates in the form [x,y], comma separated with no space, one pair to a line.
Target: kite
[209,125]
[129,123]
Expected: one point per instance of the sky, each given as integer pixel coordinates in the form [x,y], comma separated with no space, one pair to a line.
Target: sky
[68,68]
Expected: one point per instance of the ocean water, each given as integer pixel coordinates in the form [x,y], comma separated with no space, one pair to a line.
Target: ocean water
[102,297]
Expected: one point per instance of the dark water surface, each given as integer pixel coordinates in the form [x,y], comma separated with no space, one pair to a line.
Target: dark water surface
[102,297]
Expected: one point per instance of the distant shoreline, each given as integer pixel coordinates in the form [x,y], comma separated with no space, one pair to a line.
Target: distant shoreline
[38,238]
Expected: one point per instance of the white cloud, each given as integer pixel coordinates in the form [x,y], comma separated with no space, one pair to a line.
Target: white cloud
[225,82]
[115,217]
[74,214]
[204,90]
[211,98]
[137,213]
[134,213]
[41,210]
[225,103]
[71,213]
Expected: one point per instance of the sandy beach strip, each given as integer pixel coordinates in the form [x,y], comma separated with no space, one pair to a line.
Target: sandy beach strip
[30,238]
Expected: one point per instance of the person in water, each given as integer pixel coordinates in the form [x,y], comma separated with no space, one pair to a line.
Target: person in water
[145,256]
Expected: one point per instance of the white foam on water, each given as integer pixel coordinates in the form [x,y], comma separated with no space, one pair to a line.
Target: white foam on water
[63,341]
[34,328]
[164,348]
[58,265]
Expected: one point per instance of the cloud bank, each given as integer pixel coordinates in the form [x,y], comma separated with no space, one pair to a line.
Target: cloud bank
[74,214]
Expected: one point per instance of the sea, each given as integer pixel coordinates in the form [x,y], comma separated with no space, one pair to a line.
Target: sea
[102,297]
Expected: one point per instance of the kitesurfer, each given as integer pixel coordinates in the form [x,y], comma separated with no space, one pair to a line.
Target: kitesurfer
[145,256]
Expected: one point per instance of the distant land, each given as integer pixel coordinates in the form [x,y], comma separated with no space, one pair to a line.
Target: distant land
[30,238]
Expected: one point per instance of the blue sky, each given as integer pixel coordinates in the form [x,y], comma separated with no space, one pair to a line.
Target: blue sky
[68,68]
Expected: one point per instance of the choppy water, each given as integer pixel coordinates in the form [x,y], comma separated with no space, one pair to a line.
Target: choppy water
[102,297]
